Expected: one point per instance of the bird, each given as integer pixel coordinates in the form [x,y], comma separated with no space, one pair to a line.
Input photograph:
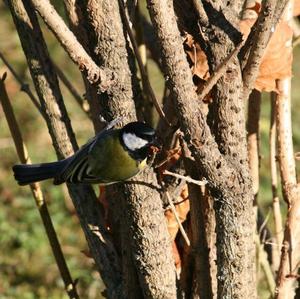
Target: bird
[113,155]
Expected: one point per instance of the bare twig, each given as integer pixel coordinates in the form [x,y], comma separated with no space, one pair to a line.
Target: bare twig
[37,193]
[168,158]
[100,76]
[77,23]
[79,100]
[259,38]
[173,209]
[253,138]
[219,72]
[24,86]
[264,263]
[263,27]
[276,201]
[185,178]
[146,108]
[201,11]
[144,75]
[253,117]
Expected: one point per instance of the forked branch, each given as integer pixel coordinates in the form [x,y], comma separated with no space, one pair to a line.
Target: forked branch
[100,76]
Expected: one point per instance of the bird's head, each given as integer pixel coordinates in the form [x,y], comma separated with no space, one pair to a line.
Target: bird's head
[139,140]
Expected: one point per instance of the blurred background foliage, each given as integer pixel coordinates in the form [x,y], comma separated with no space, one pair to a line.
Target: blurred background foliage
[27,267]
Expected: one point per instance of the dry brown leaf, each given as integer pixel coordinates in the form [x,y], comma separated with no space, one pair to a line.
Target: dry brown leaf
[172,156]
[277,61]
[296,8]
[197,58]
[182,209]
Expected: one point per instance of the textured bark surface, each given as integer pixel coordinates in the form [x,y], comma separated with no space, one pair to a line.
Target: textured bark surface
[198,281]
[146,248]
[64,142]
[223,164]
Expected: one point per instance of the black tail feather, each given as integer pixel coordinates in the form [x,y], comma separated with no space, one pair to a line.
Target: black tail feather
[29,173]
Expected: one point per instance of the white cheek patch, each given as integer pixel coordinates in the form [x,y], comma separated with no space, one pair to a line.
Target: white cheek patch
[133,142]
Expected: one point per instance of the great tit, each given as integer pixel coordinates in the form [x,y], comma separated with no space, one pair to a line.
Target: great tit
[112,156]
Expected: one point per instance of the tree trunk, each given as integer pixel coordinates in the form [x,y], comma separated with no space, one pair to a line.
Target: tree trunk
[146,246]
[223,160]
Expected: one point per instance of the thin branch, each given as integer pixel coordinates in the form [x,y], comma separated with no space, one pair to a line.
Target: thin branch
[70,286]
[281,6]
[263,28]
[100,76]
[77,23]
[290,255]
[264,263]
[219,72]
[24,86]
[146,108]
[173,209]
[79,100]
[275,197]
[145,80]
[258,39]
[201,11]
[185,178]
[253,139]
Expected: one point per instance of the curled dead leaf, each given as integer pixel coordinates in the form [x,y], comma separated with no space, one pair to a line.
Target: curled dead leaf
[182,209]
[277,61]
[197,59]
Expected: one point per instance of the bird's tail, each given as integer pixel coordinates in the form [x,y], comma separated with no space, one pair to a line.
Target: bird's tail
[29,173]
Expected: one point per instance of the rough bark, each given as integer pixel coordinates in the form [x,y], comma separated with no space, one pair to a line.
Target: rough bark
[64,142]
[146,249]
[202,283]
[289,261]
[96,75]
[223,164]
[203,241]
